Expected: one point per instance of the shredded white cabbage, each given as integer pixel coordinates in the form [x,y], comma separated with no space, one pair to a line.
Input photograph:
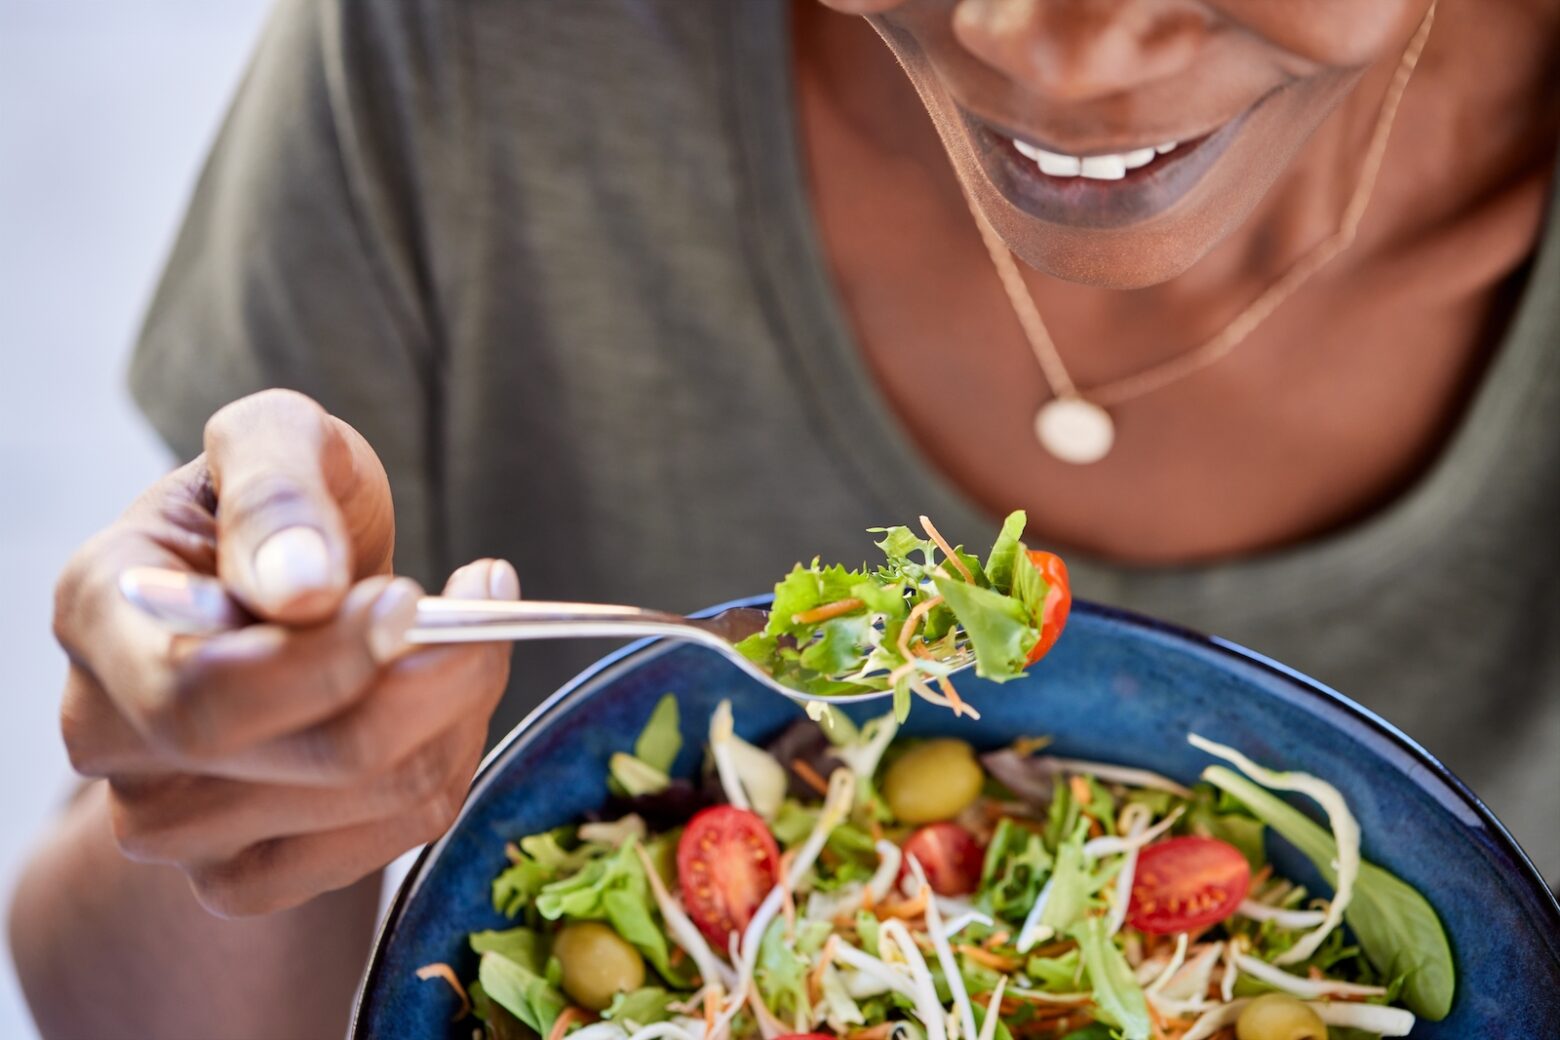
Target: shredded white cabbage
[750,776]
[1280,916]
[863,754]
[841,1010]
[988,1027]
[1231,971]
[1213,1021]
[682,928]
[891,978]
[1372,1018]
[1110,845]
[1345,829]
[950,966]
[1135,819]
[836,804]
[1176,960]
[1303,987]
[616,832]
[1195,974]
[1033,933]
[890,857]
[1110,773]
[927,1007]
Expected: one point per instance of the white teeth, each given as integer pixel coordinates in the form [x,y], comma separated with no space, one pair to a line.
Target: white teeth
[1104,167]
[1095,167]
[1141,157]
[1058,165]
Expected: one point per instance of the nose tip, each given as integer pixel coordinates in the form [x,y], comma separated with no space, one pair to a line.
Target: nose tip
[1078,50]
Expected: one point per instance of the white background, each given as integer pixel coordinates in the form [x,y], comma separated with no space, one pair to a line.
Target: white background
[106,109]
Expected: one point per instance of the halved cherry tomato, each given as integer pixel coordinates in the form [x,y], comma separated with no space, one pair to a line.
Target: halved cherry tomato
[1187,883]
[950,855]
[727,862]
[1058,601]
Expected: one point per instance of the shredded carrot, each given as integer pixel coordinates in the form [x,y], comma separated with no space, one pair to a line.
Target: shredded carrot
[512,852]
[876,830]
[960,705]
[947,550]
[443,971]
[1080,789]
[809,775]
[917,615]
[1261,875]
[989,959]
[996,939]
[868,898]
[815,976]
[787,904]
[827,611]
[881,1031]
[567,1018]
[712,1000]
[677,956]
[905,909]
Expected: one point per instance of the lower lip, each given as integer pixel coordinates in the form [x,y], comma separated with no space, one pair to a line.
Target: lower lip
[1087,202]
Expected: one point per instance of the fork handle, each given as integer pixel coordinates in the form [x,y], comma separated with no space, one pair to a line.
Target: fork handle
[194,604]
[443,620]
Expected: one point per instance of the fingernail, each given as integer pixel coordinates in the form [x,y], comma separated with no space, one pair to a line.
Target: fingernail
[292,561]
[190,604]
[394,613]
[503,582]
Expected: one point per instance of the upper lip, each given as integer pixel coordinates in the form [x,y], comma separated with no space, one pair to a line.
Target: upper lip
[1086,148]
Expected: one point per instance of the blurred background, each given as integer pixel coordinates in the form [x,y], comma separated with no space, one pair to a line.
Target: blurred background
[106,109]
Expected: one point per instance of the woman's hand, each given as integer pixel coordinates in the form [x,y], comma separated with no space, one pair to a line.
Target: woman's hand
[296,752]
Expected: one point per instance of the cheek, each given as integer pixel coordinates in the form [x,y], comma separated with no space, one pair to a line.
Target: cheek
[1345,34]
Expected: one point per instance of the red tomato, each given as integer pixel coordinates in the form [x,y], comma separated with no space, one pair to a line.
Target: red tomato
[1058,601]
[1187,883]
[727,862]
[950,855]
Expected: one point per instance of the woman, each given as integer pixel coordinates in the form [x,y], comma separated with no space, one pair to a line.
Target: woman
[653,299]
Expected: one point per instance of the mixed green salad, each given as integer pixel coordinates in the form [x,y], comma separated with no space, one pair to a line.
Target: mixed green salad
[907,625]
[846,882]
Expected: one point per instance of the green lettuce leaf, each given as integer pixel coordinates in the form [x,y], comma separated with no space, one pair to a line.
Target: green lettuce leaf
[1397,928]
[1072,883]
[642,1007]
[614,889]
[1000,631]
[521,992]
[1014,870]
[1118,998]
[661,738]
[1005,551]
[524,946]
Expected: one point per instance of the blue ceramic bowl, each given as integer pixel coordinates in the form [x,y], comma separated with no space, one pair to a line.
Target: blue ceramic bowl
[1117,688]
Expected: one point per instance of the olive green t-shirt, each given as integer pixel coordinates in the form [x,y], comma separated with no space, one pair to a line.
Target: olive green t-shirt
[556,261]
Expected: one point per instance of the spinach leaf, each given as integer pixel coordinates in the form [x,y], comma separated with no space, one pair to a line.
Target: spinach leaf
[1396,927]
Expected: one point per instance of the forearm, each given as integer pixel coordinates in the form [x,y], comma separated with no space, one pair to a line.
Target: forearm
[109,948]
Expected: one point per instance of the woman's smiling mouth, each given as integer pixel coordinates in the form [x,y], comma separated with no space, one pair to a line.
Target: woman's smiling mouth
[1100,189]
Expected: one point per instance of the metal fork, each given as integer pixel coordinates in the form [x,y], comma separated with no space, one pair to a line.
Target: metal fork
[197,605]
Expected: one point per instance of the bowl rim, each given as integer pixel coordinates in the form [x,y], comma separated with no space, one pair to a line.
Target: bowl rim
[623,656]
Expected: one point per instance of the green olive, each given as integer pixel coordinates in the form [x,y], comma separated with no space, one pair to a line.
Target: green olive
[933,781]
[597,964]
[1278,1016]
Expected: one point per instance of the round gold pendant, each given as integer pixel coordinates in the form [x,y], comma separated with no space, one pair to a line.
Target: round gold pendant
[1075,430]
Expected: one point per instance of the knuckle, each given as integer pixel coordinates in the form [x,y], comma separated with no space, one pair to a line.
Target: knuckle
[421,777]
[438,812]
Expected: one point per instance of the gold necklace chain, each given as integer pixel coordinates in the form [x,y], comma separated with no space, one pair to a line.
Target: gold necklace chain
[1219,346]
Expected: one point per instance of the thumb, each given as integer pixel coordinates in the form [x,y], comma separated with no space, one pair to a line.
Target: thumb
[282,545]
